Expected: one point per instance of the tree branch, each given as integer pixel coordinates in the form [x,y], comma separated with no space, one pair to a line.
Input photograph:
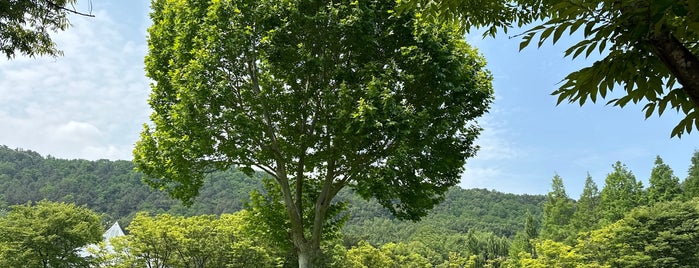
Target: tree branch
[59,7]
[680,61]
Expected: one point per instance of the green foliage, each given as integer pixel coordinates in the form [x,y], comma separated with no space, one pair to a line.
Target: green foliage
[587,209]
[664,185]
[649,48]
[620,194]
[367,256]
[110,187]
[461,211]
[414,254]
[320,95]
[690,185]
[558,211]
[369,94]
[522,242]
[663,235]
[198,241]
[553,254]
[25,26]
[493,15]
[47,234]
[268,220]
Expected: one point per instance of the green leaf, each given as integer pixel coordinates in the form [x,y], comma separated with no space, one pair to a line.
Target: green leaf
[588,28]
[559,31]
[649,108]
[545,34]
[574,27]
[526,40]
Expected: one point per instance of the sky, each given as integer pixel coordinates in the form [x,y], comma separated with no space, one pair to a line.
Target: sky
[91,103]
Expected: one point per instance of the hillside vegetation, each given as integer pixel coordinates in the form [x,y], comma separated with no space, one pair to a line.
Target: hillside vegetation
[114,189]
[239,221]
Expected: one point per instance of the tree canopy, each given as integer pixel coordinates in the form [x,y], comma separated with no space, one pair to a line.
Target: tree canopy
[318,95]
[26,25]
[650,48]
[47,234]
[558,211]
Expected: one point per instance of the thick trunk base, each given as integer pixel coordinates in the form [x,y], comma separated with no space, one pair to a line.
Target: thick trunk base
[309,258]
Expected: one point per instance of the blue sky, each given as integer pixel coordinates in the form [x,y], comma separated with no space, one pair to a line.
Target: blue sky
[91,104]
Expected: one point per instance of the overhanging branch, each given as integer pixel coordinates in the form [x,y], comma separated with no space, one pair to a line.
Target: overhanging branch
[73,11]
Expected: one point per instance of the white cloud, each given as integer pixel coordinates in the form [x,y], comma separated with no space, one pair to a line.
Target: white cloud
[480,177]
[88,103]
[76,132]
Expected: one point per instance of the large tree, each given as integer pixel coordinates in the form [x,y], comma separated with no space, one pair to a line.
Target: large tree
[650,48]
[26,25]
[320,95]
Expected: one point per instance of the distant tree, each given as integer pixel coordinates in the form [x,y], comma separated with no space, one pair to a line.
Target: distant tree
[47,235]
[523,242]
[320,95]
[555,254]
[690,185]
[650,47]
[200,241]
[664,185]
[621,194]
[25,25]
[366,255]
[587,209]
[412,254]
[665,234]
[558,211]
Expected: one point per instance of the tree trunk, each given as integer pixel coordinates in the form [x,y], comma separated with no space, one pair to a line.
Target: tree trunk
[304,261]
[680,61]
[308,255]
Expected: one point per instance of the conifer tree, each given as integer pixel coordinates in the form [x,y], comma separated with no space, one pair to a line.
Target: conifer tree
[690,185]
[620,194]
[587,214]
[523,240]
[664,185]
[558,211]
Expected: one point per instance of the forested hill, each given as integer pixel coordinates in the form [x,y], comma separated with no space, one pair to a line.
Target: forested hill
[115,189]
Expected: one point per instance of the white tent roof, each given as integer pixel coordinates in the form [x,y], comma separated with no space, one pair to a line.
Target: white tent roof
[113,231]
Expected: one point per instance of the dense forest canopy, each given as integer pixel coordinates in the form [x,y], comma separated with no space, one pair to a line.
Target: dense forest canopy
[116,190]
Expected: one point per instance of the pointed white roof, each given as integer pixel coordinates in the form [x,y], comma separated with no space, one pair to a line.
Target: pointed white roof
[113,231]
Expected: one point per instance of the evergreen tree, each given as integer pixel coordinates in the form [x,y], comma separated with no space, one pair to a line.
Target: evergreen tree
[558,211]
[664,185]
[522,242]
[690,185]
[587,213]
[620,194]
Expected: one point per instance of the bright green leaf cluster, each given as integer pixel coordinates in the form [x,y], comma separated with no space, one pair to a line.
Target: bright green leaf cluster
[47,234]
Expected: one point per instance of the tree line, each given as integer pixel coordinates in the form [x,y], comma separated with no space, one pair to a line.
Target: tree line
[623,225]
[620,225]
